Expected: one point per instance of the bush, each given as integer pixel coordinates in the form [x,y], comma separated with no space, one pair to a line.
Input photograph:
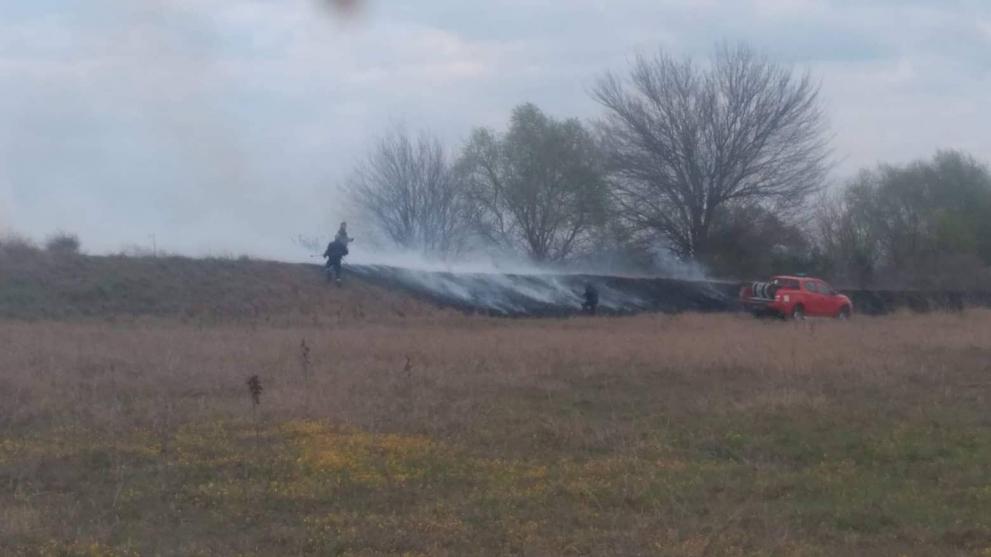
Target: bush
[17,247]
[63,243]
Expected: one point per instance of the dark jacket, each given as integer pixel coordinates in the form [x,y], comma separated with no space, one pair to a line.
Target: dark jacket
[335,251]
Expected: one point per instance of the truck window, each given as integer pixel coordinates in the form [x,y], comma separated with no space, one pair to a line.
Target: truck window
[811,287]
[786,284]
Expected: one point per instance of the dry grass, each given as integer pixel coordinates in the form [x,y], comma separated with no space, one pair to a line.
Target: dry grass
[53,284]
[687,435]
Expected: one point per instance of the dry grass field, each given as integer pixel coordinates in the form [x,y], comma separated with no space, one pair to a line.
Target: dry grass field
[452,435]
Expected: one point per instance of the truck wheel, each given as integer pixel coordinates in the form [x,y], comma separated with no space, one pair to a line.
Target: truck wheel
[844,314]
[798,313]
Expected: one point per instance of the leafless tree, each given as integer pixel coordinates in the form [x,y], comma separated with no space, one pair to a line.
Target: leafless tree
[409,192]
[683,140]
[539,188]
[846,239]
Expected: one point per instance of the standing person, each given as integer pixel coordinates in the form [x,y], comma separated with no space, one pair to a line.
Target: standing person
[591,296]
[335,252]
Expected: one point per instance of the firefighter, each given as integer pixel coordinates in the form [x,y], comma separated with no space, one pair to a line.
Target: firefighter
[335,252]
[591,296]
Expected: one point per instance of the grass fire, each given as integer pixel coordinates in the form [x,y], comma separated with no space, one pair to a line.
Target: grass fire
[360,278]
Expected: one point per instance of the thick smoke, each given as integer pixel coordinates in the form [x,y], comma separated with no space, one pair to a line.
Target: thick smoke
[518,289]
[492,280]
[503,293]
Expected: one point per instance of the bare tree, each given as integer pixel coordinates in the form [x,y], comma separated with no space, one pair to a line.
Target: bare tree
[539,188]
[409,192]
[844,237]
[684,140]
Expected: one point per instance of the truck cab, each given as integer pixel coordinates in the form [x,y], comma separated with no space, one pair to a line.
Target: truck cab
[795,297]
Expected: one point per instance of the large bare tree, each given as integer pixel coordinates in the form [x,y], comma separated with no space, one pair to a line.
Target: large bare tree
[683,140]
[409,192]
[539,187]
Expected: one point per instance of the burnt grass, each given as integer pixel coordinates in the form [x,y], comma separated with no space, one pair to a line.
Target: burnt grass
[512,295]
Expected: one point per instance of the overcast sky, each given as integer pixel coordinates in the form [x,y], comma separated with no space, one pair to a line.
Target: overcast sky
[225,126]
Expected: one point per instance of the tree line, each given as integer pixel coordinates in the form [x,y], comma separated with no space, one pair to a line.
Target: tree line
[722,163]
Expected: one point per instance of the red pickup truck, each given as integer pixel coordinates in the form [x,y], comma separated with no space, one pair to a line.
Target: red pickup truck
[795,298]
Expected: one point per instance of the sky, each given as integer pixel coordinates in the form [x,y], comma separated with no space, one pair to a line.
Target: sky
[226,127]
